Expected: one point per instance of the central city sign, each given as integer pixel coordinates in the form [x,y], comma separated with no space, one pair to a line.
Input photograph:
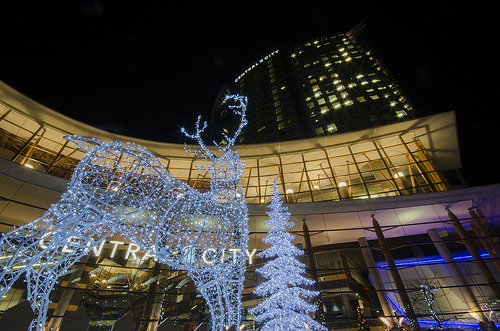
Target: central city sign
[133,251]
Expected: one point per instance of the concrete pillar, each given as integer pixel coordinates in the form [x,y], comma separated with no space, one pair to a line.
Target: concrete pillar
[377,281]
[311,263]
[155,314]
[486,243]
[65,299]
[488,237]
[347,306]
[312,266]
[455,272]
[403,295]
[492,283]
[150,306]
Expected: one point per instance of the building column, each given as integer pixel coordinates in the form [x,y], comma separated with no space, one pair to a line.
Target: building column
[155,314]
[65,299]
[459,279]
[492,283]
[489,239]
[156,309]
[347,306]
[377,281]
[403,295]
[313,270]
[310,256]
[150,308]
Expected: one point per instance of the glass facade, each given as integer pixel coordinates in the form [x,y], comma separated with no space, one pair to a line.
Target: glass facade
[374,164]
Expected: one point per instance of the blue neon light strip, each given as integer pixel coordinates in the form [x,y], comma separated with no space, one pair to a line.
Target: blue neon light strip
[432,260]
[395,305]
[428,322]
[459,324]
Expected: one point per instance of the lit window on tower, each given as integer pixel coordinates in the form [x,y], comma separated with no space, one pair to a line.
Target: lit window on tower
[400,113]
[331,128]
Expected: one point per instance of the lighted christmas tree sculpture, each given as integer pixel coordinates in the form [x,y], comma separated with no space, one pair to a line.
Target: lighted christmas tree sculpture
[285,305]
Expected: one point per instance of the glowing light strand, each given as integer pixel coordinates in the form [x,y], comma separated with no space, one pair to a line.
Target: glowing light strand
[123,188]
[285,304]
[428,291]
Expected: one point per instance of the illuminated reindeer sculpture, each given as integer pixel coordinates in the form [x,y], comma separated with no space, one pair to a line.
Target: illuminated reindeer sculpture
[123,188]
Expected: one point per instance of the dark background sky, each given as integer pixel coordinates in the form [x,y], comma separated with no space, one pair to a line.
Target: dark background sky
[146,68]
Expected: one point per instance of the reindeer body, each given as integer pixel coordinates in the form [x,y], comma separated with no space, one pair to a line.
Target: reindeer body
[123,188]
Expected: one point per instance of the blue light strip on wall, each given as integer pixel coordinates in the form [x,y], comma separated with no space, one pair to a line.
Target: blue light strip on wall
[451,324]
[395,305]
[432,323]
[432,260]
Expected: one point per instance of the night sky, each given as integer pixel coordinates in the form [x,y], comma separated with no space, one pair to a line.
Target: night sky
[146,68]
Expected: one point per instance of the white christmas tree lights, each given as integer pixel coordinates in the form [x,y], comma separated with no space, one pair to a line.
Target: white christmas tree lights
[122,188]
[285,304]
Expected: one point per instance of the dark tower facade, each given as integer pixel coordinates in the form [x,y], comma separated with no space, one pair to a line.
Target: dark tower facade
[329,85]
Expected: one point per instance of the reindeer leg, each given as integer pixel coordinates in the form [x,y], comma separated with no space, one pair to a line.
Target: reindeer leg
[231,294]
[223,296]
[19,245]
[39,288]
[16,248]
[47,266]
[232,287]
[42,280]
[46,248]
[212,293]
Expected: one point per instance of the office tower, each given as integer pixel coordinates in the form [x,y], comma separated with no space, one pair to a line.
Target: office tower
[324,86]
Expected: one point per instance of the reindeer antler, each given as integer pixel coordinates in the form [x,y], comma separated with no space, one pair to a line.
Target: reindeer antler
[239,109]
[203,151]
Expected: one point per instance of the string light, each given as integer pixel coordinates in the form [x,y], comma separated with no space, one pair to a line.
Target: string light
[428,291]
[362,323]
[285,305]
[123,188]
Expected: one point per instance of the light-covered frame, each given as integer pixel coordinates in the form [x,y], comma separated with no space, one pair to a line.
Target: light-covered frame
[123,188]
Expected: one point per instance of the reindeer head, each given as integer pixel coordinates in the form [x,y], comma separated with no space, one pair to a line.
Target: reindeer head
[225,170]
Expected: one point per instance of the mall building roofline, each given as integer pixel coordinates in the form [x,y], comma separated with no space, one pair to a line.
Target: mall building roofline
[437,132]
[403,158]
